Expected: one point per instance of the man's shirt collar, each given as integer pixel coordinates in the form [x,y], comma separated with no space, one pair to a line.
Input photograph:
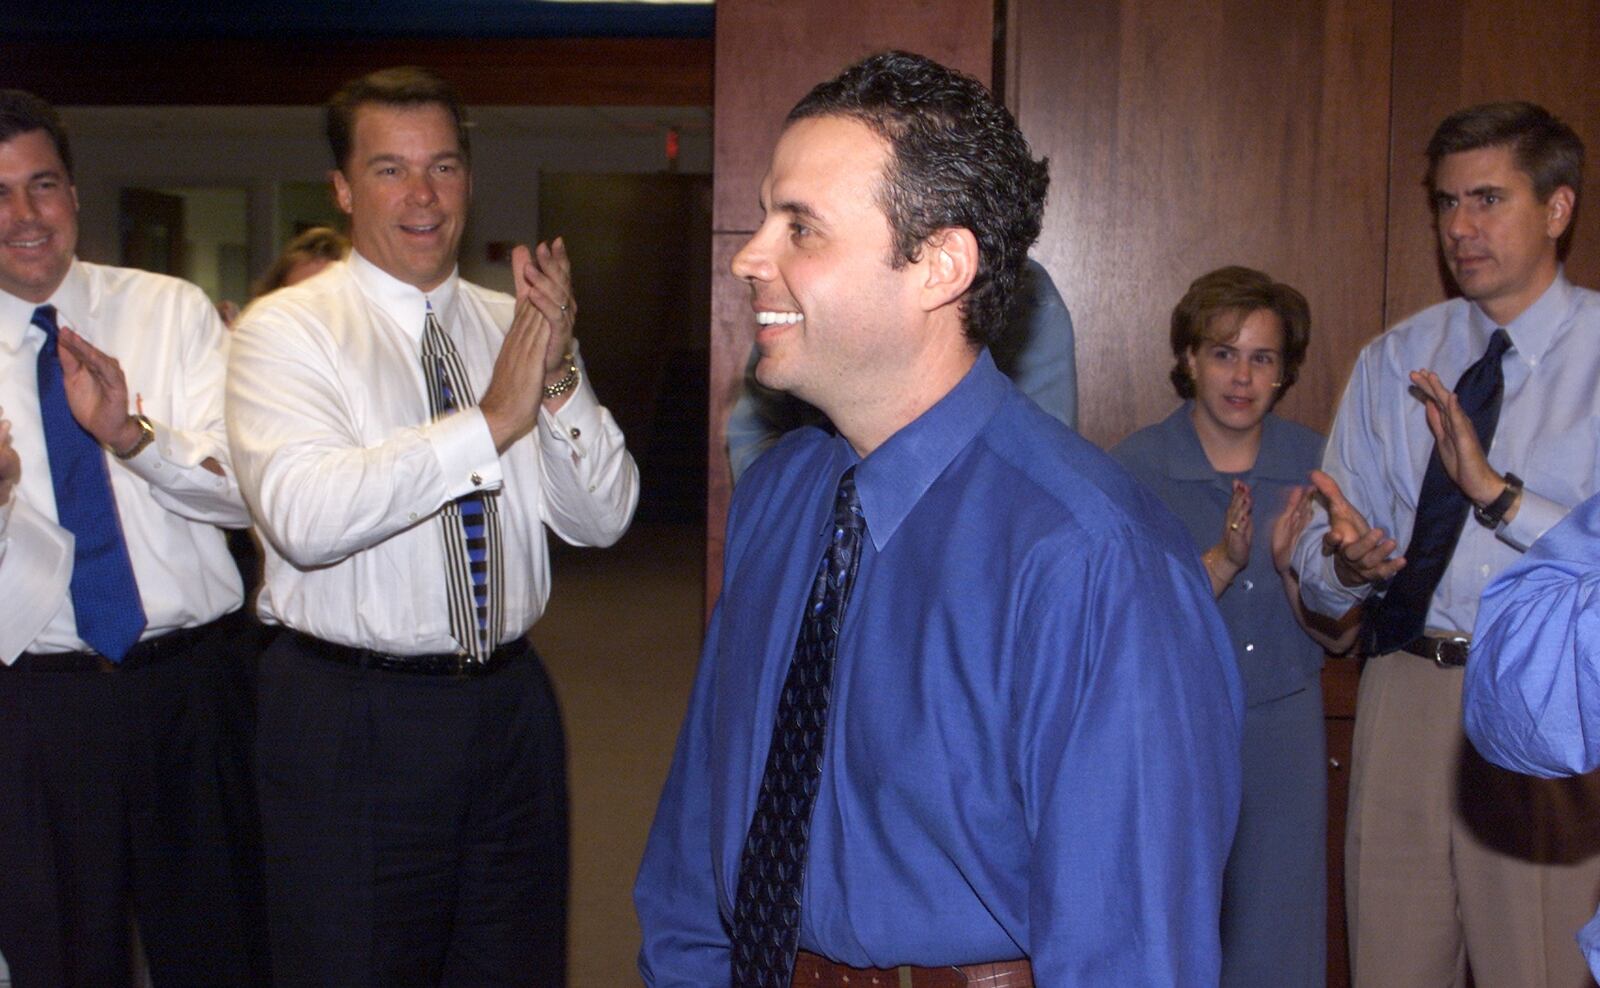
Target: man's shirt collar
[404,303]
[894,477]
[71,299]
[1535,330]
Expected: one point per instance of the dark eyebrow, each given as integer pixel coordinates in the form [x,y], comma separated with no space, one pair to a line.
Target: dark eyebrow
[799,210]
[390,158]
[1474,193]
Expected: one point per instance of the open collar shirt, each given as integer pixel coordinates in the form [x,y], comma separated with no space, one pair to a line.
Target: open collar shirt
[173,351]
[345,472]
[1548,434]
[1033,740]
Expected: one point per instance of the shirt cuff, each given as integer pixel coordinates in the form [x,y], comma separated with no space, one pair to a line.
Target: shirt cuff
[1536,515]
[174,454]
[37,566]
[1326,594]
[569,431]
[465,449]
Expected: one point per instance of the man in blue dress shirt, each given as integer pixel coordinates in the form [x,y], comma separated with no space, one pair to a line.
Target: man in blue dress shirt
[1031,745]
[1532,696]
[1450,862]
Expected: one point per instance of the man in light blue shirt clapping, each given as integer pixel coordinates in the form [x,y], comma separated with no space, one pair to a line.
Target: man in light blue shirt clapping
[1465,432]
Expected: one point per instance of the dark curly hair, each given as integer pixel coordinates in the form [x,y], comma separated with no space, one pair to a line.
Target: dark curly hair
[1216,305]
[405,86]
[957,159]
[22,112]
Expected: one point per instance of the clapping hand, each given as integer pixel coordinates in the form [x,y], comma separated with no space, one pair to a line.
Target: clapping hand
[1361,554]
[10,462]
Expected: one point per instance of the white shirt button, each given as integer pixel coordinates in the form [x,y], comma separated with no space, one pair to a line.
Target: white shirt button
[1248,584]
[1484,569]
[412,516]
[1249,646]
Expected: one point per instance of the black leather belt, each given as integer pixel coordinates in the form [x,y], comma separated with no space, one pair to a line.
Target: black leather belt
[1443,651]
[432,664]
[141,654]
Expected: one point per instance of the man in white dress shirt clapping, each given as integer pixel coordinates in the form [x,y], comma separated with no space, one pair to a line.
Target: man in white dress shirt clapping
[404,438]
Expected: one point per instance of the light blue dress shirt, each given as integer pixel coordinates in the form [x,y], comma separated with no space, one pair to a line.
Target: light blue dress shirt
[1549,435]
[1532,693]
[1033,741]
[1035,350]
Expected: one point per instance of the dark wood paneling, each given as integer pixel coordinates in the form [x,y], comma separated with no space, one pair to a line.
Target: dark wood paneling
[731,335]
[1340,679]
[769,54]
[1183,138]
[1454,53]
[487,72]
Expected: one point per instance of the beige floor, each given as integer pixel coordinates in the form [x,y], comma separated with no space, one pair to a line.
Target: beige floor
[621,638]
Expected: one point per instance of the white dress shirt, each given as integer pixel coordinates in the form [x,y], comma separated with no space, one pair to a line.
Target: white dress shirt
[1548,434]
[173,351]
[344,473]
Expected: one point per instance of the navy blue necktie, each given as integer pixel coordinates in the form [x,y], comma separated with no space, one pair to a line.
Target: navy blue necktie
[1401,613]
[105,595]
[766,911]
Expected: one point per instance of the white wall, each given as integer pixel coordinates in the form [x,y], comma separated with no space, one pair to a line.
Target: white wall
[505,178]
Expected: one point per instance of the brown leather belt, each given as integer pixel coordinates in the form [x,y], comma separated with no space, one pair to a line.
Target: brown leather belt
[1449,652]
[812,971]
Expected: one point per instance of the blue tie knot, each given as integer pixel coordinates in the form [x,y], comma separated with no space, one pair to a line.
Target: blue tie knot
[45,318]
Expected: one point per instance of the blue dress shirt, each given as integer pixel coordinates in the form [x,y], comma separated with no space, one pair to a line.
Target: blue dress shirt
[1033,745]
[1532,693]
[1035,350]
[1549,435]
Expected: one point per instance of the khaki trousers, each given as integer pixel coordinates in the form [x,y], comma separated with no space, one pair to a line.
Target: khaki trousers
[1450,861]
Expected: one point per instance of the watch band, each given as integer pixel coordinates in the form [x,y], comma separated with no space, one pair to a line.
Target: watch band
[1493,513]
[147,435]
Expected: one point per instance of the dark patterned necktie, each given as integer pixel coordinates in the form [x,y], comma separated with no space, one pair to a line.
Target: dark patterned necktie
[105,595]
[766,910]
[471,522]
[1401,614]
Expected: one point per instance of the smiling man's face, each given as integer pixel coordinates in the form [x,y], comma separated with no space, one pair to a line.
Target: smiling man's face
[406,185]
[38,217]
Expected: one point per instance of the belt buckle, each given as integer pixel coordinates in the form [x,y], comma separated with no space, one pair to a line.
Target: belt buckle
[1439,645]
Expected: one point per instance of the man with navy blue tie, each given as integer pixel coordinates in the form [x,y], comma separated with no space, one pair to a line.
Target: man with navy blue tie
[1466,431]
[124,784]
[935,725]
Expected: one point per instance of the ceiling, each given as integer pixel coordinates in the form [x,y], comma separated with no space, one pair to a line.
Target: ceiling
[300,121]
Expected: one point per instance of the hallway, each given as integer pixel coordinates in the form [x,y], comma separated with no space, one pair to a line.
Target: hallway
[621,638]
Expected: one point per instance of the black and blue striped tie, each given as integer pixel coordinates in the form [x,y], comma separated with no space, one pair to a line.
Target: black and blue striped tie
[471,522]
